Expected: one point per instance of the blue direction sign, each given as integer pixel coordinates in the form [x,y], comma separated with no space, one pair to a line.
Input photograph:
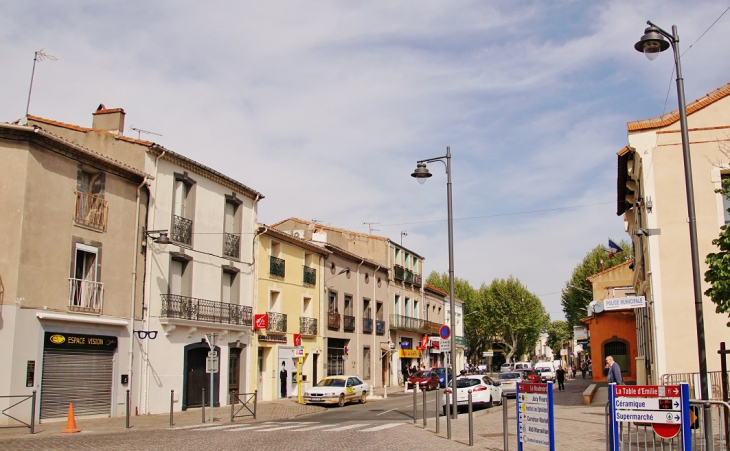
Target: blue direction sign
[535,415]
[445,332]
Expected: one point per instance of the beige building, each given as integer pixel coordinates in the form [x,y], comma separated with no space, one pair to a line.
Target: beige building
[72,218]
[652,198]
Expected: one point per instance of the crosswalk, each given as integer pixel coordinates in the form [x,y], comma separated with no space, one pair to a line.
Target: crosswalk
[290,426]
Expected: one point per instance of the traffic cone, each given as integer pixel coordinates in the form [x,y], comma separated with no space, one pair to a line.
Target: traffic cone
[71,422]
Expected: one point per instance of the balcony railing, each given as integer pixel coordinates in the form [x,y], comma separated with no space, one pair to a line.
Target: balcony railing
[417,280]
[408,276]
[333,321]
[307,326]
[184,307]
[182,230]
[232,245]
[91,211]
[277,322]
[276,266]
[380,327]
[398,273]
[85,295]
[310,276]
[367,325]
[349,323]
[402,322]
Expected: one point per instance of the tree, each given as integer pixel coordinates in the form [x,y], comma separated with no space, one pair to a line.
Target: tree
[558,333]
[577,293]
[718,274]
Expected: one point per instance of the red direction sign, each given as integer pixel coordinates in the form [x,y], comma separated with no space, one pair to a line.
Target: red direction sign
[648,391]
[533,388]
[666,430]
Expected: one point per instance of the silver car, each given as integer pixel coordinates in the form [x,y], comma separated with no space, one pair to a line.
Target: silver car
[509,382]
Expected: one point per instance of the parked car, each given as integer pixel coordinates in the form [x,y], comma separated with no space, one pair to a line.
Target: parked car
[337,390]
[522,366]
[546,373]
[441,373]
[509,382]
[485,392]
[506,367]
[427,379]
[531,376]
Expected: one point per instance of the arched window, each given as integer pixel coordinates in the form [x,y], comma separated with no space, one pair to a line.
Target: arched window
[620,353]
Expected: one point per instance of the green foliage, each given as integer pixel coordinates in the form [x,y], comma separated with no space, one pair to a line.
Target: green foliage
[718,274]
[558,333]
[575,300]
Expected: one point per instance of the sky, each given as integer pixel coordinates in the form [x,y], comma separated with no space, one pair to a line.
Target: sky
[324,107]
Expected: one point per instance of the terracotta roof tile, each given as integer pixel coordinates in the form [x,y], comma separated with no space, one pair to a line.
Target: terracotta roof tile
[141,142]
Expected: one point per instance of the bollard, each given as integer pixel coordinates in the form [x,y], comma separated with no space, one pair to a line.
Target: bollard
[127,408]
[505,423]
[232,406]
[32,414]
[438,408]
[203,409]
[385,391]
[447,412]
[255,402]
[471,421]
[424,410]
[709,435]
[172,399]
[414,404]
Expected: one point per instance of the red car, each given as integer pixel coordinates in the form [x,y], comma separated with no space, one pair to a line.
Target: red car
[532,376]
[427,379]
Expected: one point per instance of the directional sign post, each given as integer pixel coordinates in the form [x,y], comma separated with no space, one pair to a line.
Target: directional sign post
[535,415]
[445,345]
[666,407]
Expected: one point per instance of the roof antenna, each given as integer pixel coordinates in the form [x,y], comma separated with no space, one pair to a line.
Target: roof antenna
[40,55]
[402,234]
[370,227]
[139,131]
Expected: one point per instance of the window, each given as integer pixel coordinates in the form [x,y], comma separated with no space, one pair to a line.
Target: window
[379,311]
[180,275]
[85,290]
[307,307]
[619,351]
[366,363]
[230,287]
[332,302]
[91,208]
[416,313]
[407,307]
[274,301]
[366,310]
[397,257]
[407,260]
[725,201]
[335,353]
[183,209]
[396,305]
[349,317]
[349,305]
[232,227]
[415,265]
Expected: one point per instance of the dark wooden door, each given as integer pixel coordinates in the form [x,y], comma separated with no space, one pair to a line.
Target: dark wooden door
[234,370]
[197,378]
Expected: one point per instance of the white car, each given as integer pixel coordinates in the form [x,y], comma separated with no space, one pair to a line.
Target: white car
[337,390]
[546,373]
[485,392]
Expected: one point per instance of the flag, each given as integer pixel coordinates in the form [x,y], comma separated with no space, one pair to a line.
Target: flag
[613,248]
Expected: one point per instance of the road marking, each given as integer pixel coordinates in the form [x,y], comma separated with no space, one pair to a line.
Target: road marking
[248,428]
[387,411]
[350,426]
[215,428]
[312,428]
[381,427]
[280,428]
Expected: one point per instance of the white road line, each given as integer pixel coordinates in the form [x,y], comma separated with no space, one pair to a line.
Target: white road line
[228,426]
[280,428]
[248,428]
[381,427]
[350,426]
[387,411]
[312,428]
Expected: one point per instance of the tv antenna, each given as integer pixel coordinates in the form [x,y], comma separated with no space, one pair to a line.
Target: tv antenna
[40,55]
[402,234]
[370,227]
[140,131]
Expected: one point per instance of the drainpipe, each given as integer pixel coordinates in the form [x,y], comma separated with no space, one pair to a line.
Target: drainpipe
[135,243]
[357,335]
[254,286]
[374,302]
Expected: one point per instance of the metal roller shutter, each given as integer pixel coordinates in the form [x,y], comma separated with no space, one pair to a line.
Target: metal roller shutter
[79,376]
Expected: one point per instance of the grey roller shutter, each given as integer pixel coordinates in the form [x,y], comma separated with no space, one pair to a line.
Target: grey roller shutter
[79,376]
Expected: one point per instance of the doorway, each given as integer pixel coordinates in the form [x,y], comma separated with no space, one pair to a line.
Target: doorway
[195,378]
[234,370]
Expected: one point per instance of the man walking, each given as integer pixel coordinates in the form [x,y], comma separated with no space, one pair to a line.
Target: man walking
[560,375]
[583,368]
[614,371]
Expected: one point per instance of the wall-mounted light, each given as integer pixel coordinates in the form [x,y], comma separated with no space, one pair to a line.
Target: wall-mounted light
[648,232]
[162,238]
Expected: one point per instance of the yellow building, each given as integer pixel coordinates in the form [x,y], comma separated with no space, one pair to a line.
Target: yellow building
[287,313]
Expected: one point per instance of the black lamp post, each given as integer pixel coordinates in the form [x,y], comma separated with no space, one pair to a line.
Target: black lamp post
[421,174]
[651,44]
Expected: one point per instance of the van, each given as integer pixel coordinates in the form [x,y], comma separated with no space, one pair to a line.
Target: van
[545,370]
[523,366]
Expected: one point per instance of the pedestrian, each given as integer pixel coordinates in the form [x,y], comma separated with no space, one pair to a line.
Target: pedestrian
[560,375]
[583,368]
[590,369]
[614,371]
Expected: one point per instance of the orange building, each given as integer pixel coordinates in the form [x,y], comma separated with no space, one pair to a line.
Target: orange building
[612,333]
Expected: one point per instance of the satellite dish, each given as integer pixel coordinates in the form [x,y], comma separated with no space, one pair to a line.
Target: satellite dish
[597,306]
[590,308]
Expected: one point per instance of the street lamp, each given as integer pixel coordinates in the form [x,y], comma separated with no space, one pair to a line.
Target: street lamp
[421,174]
[651,44]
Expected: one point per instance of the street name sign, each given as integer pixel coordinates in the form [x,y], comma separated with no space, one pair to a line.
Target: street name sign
[535,415]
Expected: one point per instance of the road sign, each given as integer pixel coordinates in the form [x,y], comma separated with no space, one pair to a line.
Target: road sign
[487,354]
[445,332]
[211,364]
[445,345]
[535,415]
[212,353]
[299,351]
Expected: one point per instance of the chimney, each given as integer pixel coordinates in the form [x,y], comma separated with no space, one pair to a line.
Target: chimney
[108,120]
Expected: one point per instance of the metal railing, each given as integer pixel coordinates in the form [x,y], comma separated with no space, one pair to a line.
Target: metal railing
[91,211]
[277,266]
[349,323]
[310,276]
[380,327]
[398,273]
[182,230]
[417,280]
[184,307]
[246,399]
[232,245]
[367,325]
[85,295]
[22,424]
[714,379]
[333,321]
[719,412]
[277,322]
[307,326]
[408,276]
[402,322]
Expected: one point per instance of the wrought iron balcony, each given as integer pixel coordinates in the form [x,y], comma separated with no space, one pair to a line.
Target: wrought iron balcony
[349,323]
[402,322]
[182,230]
[276,266]
[232,245]
[398,272]
[85,295]
[333,321]
[277,322]
[184,307]
[380,327]
[367,325]
[408,276]
[310,276]
[307,326]
[91,211]
[417,280]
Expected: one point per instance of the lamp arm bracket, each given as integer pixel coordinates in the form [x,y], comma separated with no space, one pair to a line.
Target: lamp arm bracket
[672,38]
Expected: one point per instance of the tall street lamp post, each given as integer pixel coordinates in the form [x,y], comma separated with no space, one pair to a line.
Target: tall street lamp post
[421,174]
[651,44]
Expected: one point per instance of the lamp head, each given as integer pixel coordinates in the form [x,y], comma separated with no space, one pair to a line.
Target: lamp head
[163,239]
[421,173]
[652,43]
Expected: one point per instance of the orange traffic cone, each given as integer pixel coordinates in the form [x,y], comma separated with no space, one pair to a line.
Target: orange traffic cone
[71,422]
